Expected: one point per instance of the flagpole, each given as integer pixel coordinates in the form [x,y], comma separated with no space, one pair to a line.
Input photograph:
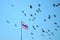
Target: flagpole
[21,32]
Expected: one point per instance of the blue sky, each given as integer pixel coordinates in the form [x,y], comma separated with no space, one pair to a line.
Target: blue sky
[8,31]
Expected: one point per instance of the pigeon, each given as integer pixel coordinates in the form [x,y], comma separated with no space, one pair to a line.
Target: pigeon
[55,23]
[54,15]
[22,11]
[44,19]
[49,16]
[31,15]
[38,4]
[49,34]
[37,11]
[54,5]
[25,14]
[49,38]
[12,5]
[52,33]
[31,6]
[32,38]
[29,19]
[42,35]
[34,18]
[43,30]
[15,25]
[35,14]
[7,21]
[31,33]
[37,26]
[48,30]
[58,3]
[55,29]
[34,28]
[58,26]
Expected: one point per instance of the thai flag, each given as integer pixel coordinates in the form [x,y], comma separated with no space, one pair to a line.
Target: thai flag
[24,25]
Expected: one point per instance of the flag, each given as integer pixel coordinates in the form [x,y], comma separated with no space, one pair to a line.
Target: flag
[25,26]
